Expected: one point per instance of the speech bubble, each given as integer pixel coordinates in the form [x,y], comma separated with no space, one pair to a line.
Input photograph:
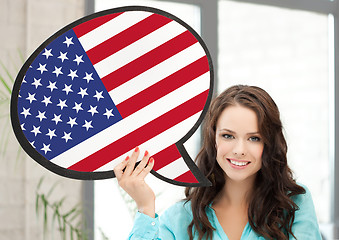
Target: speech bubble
[111,81]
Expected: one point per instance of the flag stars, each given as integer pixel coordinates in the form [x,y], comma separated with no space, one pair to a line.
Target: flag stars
[46,148]
[68,41]
[57,118]
[109,113]
[52,86]
[37,83]
[62,104]
[92,110]
[32,143]
[78,59]
[48,53]
[77,106]
[98,95]
[67,136]
[57,71]
[41,116]
[42,68]
[47,100]
[22,127]
[88,77]
[72,74]
[88,125]
[67,89]
[83,92]
[63,56]
[25,112]
[51,134]
[36,130]
[72,122]
[31,97]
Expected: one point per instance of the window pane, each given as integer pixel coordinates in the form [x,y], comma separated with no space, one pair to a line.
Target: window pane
[114,210]
[286,52]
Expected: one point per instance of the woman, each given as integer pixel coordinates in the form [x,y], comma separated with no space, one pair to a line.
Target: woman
[253,196]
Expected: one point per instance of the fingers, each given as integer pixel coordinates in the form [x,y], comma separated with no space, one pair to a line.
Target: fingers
[131,162]
[146,170]
[118,170]
[142,164]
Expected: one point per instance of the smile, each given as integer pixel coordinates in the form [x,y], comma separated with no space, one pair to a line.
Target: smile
[237,163]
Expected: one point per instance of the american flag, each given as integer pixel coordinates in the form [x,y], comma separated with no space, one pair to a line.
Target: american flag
[120,80]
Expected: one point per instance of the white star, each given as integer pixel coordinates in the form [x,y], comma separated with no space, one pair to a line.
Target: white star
[62,104]
[22,127]
[88,125]
[46,100]
[93,110]
[52,86]
[78,59]
[37,83]
[36,130]
[68,41]
[98,95]
[67,89]
[24,80]
[63,56]
[109,113]
[77,107]
[88,77]
[72,121]
[42,68]
[41,115]
[46,148]
[31,97]
[72,74]
[32,143]
[57,119]
[51,133]
[83,92]
[57,71]
[25,112]
[67,136]
[47,53]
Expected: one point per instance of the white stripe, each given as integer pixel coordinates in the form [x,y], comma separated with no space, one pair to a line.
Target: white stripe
[111,28]
[158,143]
[157,73]
[174,169]
[133,122]
[138,48]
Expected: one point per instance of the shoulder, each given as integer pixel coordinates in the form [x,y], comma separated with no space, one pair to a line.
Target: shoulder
[302,199]
[179,212]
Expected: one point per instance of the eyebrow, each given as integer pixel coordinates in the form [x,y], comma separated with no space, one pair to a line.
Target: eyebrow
[228,130]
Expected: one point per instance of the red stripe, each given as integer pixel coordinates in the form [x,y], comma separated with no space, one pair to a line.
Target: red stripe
[163,87]
[90,25]
[126,37]
[141,135]
[187,177]
[148,60]
[165,157]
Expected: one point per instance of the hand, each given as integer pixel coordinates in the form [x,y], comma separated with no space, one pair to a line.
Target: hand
[133,181]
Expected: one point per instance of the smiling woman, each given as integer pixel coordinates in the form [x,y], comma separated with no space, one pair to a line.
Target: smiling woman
[253,194]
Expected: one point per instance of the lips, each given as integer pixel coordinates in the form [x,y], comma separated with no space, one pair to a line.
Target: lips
[238,163]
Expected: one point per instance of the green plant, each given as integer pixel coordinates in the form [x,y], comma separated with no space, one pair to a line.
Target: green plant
[70,223]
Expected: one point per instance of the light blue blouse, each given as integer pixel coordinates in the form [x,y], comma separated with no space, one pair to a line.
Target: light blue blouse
[172,224]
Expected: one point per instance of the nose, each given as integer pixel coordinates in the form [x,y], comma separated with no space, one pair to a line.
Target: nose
[239,149]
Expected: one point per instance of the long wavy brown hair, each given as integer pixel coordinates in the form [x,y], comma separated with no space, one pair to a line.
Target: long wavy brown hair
[271,210]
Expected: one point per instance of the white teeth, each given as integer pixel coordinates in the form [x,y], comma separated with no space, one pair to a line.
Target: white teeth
[238,163]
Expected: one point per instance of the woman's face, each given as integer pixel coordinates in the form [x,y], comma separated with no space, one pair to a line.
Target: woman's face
[238,143]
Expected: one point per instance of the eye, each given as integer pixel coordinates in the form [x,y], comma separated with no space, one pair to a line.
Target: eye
[228,136]
[254,139]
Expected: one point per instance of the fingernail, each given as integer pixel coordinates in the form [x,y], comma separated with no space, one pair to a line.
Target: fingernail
[151,160]
[146,153]
[136,149]
[126,159]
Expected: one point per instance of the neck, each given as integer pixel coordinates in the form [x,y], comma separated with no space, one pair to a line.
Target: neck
[237,193]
